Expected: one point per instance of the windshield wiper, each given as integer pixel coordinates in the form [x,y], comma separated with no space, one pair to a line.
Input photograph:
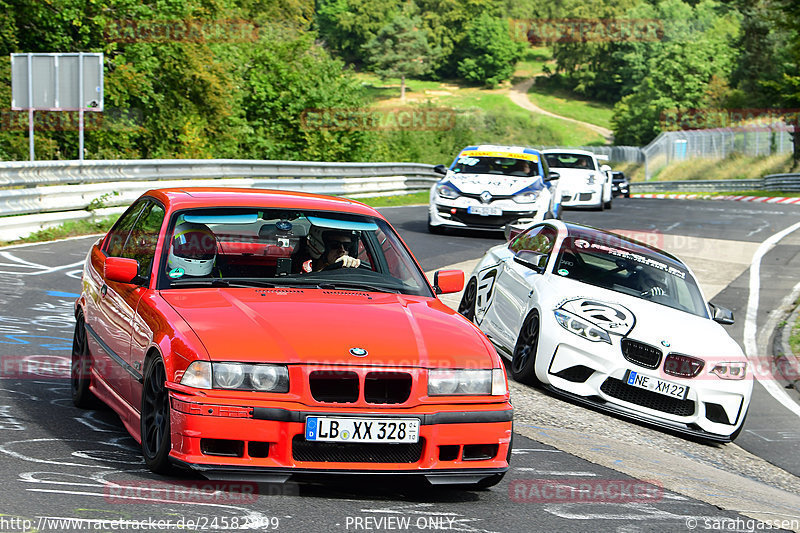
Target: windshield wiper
[356,286]
[222,282]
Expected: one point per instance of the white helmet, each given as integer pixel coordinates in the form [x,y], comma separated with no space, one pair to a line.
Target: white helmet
[318,239]
[193,249]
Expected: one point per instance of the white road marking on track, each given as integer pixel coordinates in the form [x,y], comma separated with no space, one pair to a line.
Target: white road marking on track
[576,473]
[18,262]
[750,326]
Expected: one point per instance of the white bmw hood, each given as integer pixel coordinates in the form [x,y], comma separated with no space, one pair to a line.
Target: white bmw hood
[496,184]
[669,329]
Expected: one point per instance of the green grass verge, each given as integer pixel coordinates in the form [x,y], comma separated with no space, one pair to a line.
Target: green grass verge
[421,197]
[72,228]
[794,338]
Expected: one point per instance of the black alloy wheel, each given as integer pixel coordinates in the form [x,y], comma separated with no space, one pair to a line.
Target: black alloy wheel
[524,357]
[467,305]
[156,439]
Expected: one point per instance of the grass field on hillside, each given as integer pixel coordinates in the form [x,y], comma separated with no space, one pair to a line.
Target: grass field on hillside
[503,121]
[568,104]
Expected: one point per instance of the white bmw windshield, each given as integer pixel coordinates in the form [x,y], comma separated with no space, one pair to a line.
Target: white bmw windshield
[628,268]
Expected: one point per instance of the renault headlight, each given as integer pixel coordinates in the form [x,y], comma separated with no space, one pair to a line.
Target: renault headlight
[527,197]
[580,327]
[466,382]
[447,191]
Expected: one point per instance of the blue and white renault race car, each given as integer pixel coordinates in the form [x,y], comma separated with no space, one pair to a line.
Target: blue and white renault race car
[488,187]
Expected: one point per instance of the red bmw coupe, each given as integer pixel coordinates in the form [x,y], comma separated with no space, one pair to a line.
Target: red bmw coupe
[252,333]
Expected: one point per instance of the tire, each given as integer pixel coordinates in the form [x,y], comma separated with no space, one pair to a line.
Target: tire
[155,426]
[436,230]
[524,358]
[80,373]
[601,206]
[608,204]
[467,305]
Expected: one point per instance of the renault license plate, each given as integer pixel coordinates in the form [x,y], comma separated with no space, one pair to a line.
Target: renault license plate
[484,210]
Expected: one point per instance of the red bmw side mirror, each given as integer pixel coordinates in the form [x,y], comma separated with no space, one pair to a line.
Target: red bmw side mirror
[448,281]
[120,269]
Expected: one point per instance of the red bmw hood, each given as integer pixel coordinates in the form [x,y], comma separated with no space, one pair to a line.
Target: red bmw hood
[320,326]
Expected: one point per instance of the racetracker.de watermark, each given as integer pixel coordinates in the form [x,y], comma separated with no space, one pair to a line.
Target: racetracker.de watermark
[108,120]
[575,30]
[185,30]
[584,490]
[752,119]
[209,492]
[387,119]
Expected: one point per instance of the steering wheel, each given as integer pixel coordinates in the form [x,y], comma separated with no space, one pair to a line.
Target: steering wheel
[333,266]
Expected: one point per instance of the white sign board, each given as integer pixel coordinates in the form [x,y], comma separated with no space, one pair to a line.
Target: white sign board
[57,82]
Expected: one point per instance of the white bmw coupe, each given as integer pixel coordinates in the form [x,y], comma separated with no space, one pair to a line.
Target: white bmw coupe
[611,322]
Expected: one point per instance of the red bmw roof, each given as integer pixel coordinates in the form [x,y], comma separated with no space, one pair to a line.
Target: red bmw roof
[189,197]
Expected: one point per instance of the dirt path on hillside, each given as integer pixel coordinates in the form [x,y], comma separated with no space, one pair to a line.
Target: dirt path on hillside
[519,95]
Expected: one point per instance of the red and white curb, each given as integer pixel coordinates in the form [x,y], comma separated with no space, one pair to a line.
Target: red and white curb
[735,198]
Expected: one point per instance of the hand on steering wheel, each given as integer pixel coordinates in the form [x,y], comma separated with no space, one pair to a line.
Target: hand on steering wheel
[344,262]
[655,291]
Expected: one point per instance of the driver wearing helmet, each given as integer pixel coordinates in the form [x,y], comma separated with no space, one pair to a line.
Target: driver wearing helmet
[328,247]
[192,251]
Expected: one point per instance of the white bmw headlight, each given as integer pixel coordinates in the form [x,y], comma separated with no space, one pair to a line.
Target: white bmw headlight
[466,382]
[580,327]
[527,197]
[730,370]
[446,191]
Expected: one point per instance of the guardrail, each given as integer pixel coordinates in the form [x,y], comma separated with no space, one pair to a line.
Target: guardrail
[782,182]
[46,193]
[772,182]
[697,186]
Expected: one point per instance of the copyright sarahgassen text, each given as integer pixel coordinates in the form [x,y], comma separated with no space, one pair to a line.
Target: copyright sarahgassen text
[705,523]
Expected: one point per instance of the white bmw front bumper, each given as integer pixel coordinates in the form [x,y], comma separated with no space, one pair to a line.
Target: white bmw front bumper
[598,373]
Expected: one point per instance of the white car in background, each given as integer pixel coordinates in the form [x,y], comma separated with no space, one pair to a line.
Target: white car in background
[584,182]
[613,323]
[488,187]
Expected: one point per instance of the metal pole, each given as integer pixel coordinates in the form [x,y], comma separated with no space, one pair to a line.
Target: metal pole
[30,108]
[80,108]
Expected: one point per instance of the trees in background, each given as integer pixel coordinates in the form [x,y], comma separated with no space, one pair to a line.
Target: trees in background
[240,84]
[399,49]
